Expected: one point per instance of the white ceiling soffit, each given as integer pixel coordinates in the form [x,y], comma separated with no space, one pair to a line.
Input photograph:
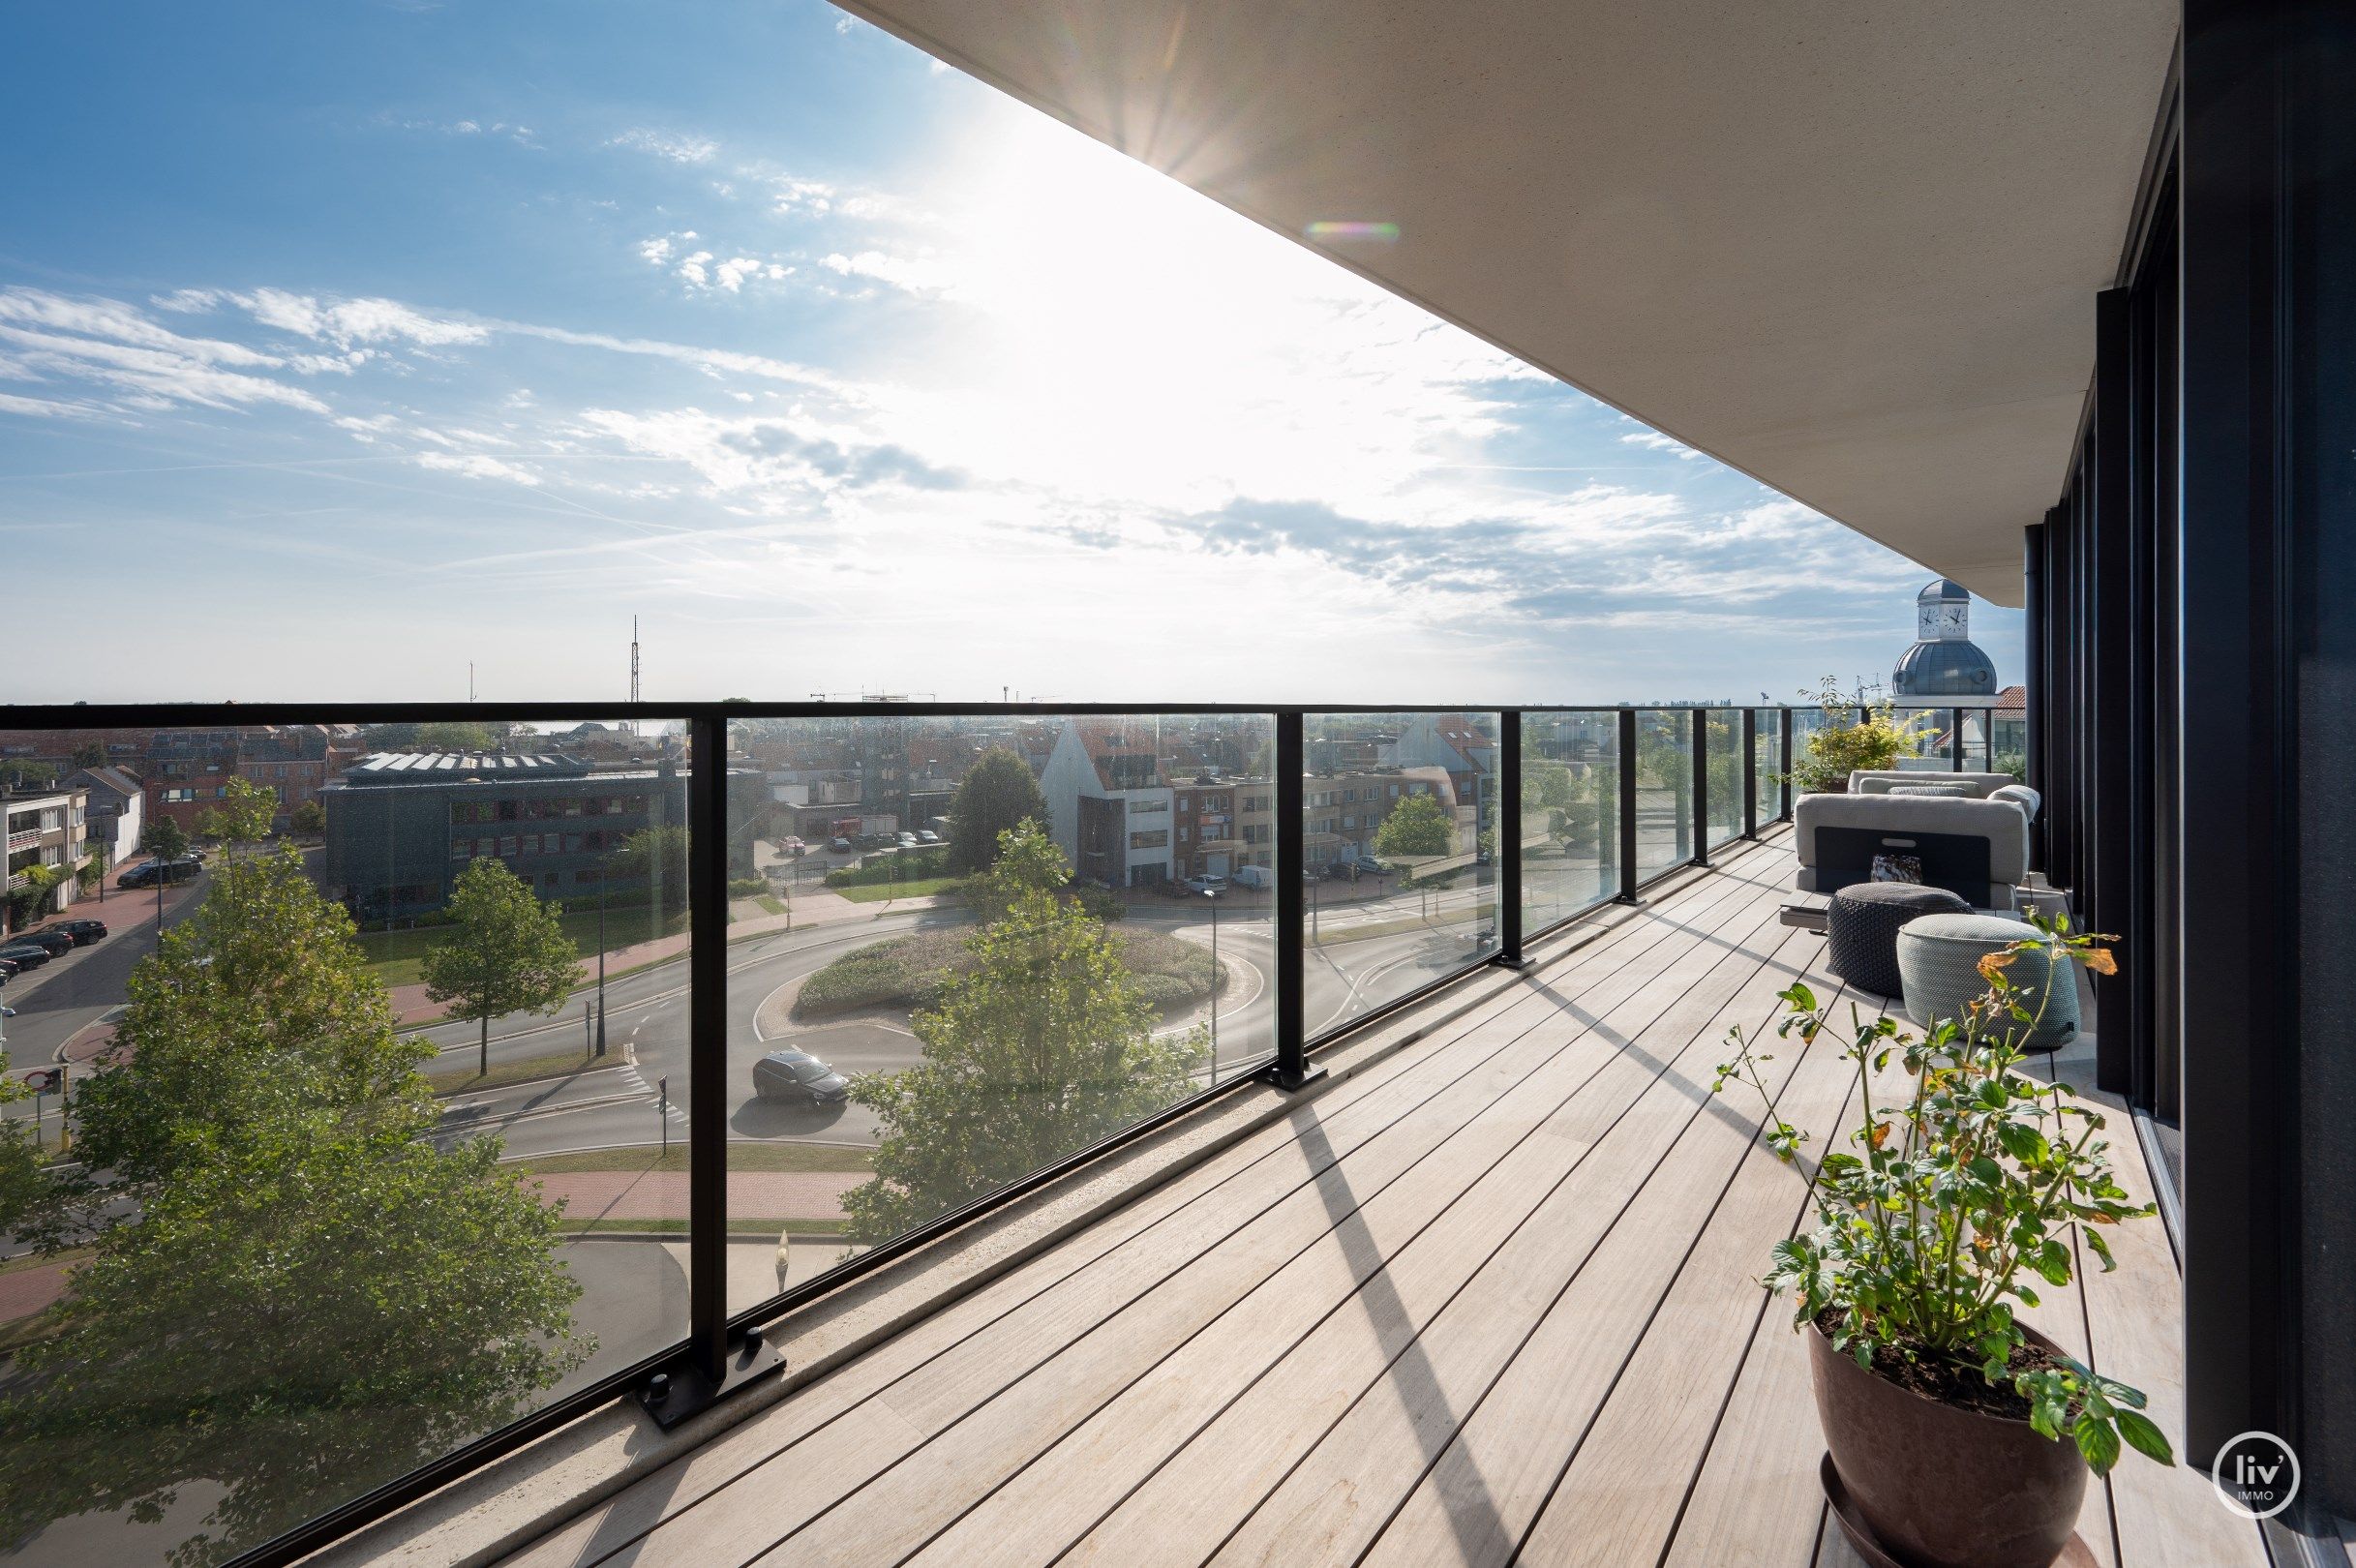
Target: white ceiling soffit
[1850,249]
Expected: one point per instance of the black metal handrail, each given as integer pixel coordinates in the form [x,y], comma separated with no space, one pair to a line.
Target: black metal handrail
[714,1333]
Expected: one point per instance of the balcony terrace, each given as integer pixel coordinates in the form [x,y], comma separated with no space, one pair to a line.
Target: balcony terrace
[1485,1295]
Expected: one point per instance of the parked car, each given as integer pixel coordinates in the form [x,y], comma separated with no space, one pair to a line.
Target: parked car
[925,835]
[905,840]
[168,871]
[8,967]
[25,955]
[794,847]
[838,845]
[83,932]
[798,1075]
[1207,883]
[1258,877]
[58,943]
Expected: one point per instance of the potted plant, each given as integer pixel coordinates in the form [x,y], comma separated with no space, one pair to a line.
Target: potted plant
[1961,1436]
[1854,734]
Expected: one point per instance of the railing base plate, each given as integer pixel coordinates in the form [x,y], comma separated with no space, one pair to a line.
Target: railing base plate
[1275,1072]
[689,1393]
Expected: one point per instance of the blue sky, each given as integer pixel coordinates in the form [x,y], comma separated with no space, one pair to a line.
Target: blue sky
[343,346]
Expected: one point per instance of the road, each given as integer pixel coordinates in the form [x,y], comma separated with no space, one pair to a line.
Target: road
[641,1096]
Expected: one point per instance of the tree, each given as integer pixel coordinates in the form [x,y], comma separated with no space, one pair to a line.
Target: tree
[243,816]
[997,793]
[21,1187]
[1419,827]
[26,774]
[163,839]
[506,953]
[307,818]
[657,858]
[292,1294]
[1044,1046]
[453,735]
[89,754]
[30,898]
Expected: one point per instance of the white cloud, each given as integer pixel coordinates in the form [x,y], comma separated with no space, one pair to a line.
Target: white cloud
[679,149]
[1653,440]
[112,345]
[474,465]
[913,274]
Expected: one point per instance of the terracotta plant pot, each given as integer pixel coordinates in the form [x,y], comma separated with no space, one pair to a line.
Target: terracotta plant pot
[1943,1487]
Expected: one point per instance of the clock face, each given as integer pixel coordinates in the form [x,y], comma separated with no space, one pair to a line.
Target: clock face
[1943,620]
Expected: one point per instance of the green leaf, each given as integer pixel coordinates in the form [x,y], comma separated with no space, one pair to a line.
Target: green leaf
[2146,1437]
[2097,1441]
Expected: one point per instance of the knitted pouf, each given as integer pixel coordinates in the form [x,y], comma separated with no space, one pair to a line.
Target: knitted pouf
[1939,958]
[1862,930]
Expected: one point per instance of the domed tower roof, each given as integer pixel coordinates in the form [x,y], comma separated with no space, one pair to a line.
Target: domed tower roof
[1944,590]
[1944,669]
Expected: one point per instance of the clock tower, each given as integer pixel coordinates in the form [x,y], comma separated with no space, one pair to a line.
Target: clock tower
[1944,661]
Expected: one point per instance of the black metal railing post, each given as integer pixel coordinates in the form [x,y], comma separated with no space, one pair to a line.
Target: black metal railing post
[708,1046]
[1701,786]
[1784,765]
[1508,840]
[1750,773]
[1627,806]
[1954,742]
[1290,1069]
[715,1367]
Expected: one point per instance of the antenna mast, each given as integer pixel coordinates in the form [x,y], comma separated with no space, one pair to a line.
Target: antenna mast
[633,672]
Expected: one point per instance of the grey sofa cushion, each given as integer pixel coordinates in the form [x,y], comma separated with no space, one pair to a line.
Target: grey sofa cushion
[1881,780]
[1956,792]
[2021,796]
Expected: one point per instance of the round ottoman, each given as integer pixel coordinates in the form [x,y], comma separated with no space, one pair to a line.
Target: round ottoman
[1862,929]
[1939,958]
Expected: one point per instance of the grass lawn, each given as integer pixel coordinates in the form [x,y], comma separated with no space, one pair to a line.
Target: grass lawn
[791,1156]
[910,971]
[397,957]
[912,888]
[464,1079]
[772,903]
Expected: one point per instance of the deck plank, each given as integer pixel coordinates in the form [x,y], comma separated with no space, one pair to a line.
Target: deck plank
[1258,1169]
[1291,1390]
[1322,1243]
[1492,1486]
[1494,1296]
[1342,1497]
[1297,1190]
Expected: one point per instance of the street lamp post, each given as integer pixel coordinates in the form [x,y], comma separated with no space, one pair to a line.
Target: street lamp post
[604,891]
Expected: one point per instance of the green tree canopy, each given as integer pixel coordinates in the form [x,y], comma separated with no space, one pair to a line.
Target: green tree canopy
[22,1187]
[291,1293]
[1419,827]
[506,952]
[656,858]
[453,735]
[996,795]
[1043,1048]
[307,818]
[243,815]
[90,754]
[164,839]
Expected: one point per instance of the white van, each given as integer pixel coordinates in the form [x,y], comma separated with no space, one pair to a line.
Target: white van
[1255,877]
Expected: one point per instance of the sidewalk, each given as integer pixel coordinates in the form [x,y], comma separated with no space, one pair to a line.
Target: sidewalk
[662,1195]
[26,1291]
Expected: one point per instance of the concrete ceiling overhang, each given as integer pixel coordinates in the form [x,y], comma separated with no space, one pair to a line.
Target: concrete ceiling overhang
[1850,249]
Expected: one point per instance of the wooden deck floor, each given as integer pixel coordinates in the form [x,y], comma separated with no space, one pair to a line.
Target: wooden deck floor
[1493,1300]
